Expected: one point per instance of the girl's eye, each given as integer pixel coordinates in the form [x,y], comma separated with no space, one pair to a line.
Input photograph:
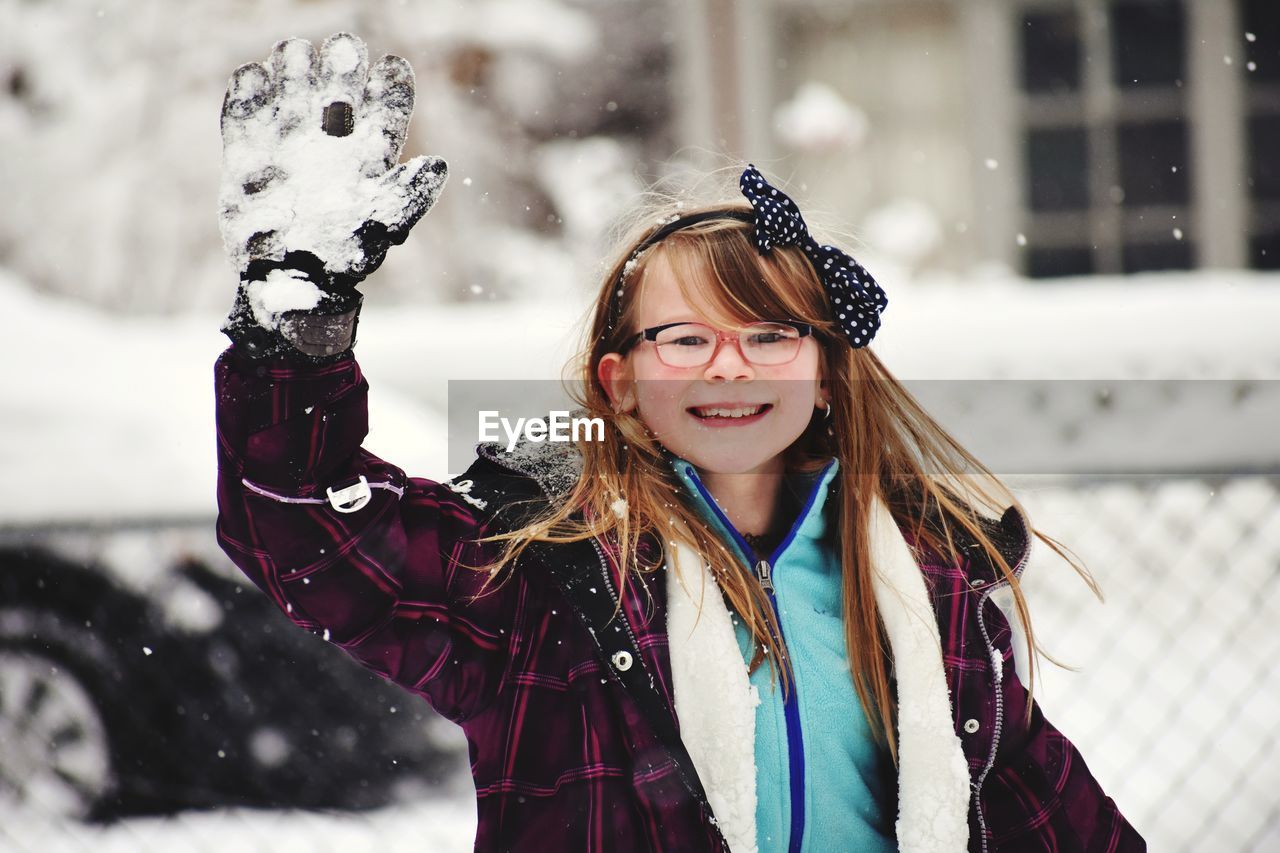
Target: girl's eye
[689,335]
[769,336]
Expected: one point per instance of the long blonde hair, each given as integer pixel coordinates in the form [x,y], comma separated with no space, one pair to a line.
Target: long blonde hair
[886,444]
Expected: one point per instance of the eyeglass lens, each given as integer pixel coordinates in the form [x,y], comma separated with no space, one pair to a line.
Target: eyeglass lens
[694,344]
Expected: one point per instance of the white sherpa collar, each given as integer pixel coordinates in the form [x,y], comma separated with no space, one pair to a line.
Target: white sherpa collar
[715,702]
[933,776]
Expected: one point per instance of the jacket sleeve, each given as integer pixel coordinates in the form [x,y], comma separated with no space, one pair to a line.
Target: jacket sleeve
[1040,794]
[387,582]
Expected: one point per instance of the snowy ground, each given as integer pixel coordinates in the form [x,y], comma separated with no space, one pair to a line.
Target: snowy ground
[439,827]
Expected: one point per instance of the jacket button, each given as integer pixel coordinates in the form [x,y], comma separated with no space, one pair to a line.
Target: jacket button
[622,660]
[971,726]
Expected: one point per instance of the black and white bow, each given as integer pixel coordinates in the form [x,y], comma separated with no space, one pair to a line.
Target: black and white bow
[856,298]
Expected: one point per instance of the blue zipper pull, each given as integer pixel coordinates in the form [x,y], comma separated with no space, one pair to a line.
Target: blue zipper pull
[765,572]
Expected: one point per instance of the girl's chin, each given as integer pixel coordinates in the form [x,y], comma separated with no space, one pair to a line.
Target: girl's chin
[727,459]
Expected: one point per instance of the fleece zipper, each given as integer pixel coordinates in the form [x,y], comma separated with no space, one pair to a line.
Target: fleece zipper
[791,706]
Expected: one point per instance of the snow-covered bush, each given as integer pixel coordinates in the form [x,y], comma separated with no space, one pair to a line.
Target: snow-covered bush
[109,124]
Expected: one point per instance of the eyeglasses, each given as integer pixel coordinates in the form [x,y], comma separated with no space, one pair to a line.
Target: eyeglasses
[695,344]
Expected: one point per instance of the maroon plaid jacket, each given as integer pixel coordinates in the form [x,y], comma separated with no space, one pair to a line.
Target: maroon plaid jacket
[568,713]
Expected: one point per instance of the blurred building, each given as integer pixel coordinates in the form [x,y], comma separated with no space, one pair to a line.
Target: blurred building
[1056,137]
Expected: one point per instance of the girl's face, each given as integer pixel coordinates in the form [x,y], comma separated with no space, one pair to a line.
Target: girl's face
[673,401]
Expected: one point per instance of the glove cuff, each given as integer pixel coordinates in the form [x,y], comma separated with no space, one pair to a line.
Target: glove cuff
[321,335]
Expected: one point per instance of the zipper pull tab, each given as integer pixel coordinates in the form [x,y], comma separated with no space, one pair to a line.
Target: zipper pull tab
[765,572]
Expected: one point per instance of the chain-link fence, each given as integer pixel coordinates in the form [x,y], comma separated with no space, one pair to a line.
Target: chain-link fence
[1176,701]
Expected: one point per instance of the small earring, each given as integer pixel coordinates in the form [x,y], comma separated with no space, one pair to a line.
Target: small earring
[827,412]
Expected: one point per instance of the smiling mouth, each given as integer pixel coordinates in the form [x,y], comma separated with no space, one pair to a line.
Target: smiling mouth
[707,413]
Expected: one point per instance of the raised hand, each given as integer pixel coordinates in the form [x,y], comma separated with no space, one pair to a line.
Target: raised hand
[312,191]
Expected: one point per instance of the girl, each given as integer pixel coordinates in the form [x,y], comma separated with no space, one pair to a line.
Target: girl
[598,616]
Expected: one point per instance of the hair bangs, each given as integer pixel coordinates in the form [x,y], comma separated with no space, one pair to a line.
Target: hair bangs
[725,278]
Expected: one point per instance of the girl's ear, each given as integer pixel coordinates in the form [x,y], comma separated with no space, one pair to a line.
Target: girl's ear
[614,373]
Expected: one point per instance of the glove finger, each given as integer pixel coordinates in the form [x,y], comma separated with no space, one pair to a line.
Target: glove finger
[388,105]
[409,191]
[249,91]
[343,69]
[293,64]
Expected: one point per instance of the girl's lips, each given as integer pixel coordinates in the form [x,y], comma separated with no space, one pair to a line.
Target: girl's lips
[720,421]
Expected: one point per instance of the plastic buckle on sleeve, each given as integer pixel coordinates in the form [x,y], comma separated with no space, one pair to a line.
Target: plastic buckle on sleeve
[352,498]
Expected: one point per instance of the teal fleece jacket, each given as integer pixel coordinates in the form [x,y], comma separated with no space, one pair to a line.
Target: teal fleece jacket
[822,781]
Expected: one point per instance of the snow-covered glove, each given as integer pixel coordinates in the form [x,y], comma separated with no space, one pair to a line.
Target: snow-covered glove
[312,195]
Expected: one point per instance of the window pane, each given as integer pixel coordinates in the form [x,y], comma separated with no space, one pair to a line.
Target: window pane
[1264,251]
[1261,18]
[1050,52]
[1264,157]
[1051,263]
[1057,168]
[1141,257]
[1153,162]
[1148,42]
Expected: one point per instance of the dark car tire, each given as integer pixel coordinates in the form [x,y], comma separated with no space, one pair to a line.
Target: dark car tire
[60,718]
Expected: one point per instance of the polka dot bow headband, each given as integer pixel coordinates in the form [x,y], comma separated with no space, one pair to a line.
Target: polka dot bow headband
[856,298]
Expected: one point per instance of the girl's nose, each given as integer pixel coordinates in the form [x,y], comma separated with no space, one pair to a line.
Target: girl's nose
[727,362]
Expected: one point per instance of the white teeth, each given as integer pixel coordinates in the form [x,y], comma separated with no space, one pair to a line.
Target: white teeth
[728,413]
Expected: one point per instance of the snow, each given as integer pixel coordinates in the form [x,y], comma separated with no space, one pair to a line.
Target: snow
[590,181]
[443,826]
[905,229]
[283,290]
[537,26]
[112,418]
[993,325]
[818,120]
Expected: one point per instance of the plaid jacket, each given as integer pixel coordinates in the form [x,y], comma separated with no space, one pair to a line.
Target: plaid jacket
[568,712]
